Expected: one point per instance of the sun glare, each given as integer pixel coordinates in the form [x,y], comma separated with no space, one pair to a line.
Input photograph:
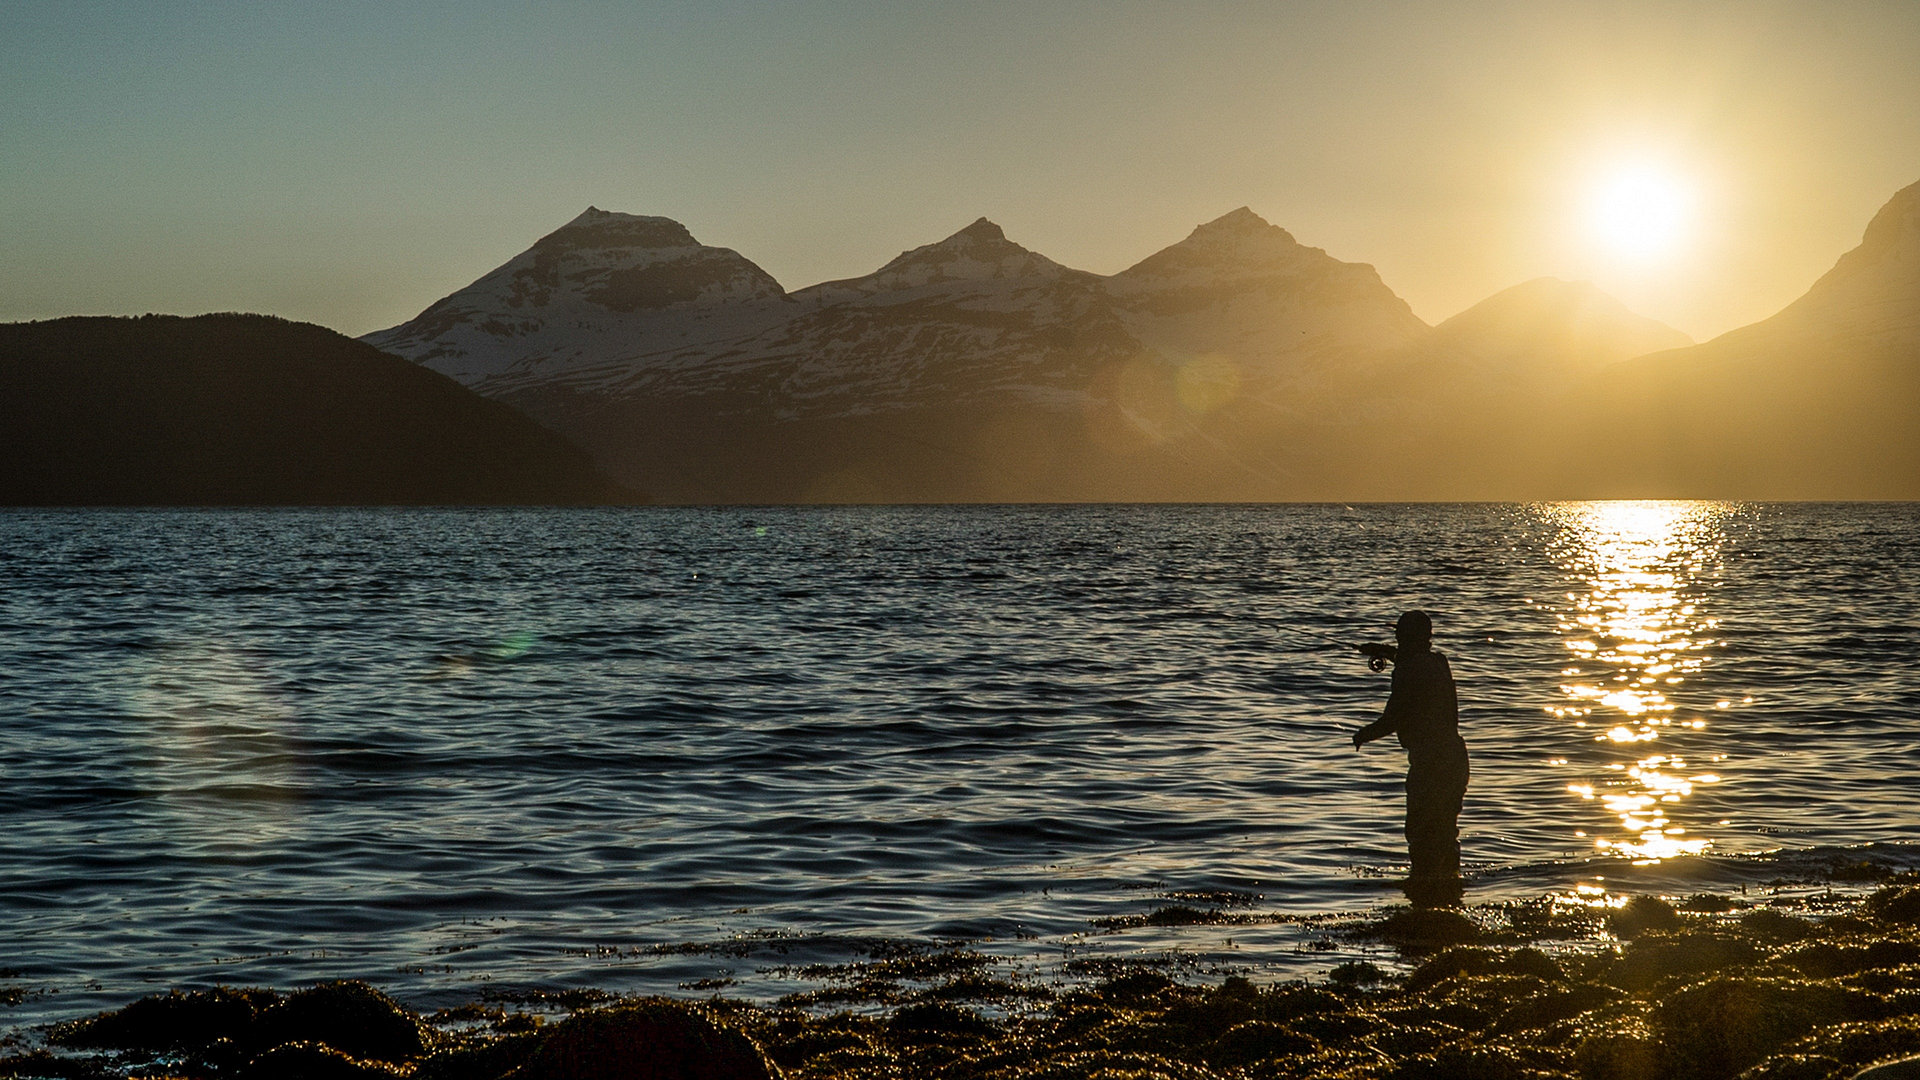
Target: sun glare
[1640,212]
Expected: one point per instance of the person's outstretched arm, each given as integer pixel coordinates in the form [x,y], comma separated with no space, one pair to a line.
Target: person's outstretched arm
[1379,729]
[1389,721]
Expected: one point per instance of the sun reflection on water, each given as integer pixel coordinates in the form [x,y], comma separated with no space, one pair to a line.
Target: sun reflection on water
[1635,635]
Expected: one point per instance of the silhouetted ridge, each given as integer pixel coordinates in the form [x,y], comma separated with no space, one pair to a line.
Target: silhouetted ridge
[1872,292]
[1549,325]
[250,409]
[1894,232]
[1820,401]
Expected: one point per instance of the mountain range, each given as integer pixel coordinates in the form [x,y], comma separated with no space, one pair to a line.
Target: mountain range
[1235,364]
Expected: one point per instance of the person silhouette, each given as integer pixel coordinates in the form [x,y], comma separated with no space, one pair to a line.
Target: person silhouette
[1424,711]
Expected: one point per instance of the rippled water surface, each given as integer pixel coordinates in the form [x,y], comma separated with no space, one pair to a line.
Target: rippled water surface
[443,749]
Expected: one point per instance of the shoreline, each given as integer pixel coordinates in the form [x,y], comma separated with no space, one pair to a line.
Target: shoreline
[1697,987]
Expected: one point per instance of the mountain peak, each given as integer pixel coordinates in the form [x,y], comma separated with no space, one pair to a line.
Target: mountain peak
[1563,322]
[979,252]
[597,228]
[1239,239]
[982,230]
[1239,227]
[1241,220]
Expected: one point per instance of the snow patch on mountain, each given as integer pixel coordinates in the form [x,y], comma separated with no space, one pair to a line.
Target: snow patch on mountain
[980,252]
[621,306]
[589,293]
[1246,288]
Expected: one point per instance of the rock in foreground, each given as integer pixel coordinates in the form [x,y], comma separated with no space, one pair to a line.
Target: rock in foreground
[1704,992]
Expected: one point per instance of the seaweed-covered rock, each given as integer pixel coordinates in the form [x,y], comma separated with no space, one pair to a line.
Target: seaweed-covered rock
[939,1018]
[1133,988]
[1463,960]
[1542,919]
[1844,926]
[655,1040]
[1826,959]
[1642,914]
[1337,1028]
[350,1017]
[1257,1040]
[1626,1049]
[1774,927]
[1283,1003]
[1725,1024]
[42,1065]
[1461,1063]
[314,1061]
[170,1021]
[1903,1069]
[1898,904]
[1795,1067]
[812,1043]
[479,1061]
[1357,973]
[1653,957]
[1425,928]
[1858,1044]
[1554,1004]
[1110,1065]
[1406,1040]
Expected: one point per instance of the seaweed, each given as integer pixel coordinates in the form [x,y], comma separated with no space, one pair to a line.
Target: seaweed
[1697,991]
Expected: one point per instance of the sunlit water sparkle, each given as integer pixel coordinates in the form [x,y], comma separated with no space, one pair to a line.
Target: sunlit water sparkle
[450,749]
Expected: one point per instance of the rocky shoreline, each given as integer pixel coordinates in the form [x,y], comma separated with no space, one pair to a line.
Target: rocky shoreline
[1698,988]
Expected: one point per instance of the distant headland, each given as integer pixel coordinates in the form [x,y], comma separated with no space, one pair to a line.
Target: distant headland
[248,409]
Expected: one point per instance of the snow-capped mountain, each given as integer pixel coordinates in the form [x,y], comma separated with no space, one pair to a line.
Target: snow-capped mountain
[972,316]
[604,286]
[615,306]
[1237,363]
[1244,288]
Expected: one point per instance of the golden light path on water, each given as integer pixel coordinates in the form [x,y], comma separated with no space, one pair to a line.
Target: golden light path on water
[1632,638]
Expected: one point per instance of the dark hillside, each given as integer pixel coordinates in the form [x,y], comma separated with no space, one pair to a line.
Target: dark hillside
[254,410]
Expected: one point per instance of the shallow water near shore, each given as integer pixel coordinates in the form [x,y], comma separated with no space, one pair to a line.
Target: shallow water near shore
[451,750]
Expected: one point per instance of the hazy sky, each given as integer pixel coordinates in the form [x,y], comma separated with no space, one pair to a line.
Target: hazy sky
[348,163]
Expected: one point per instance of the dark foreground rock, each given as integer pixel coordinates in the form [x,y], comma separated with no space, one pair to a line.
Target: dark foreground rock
[1698,991]
[650,1041]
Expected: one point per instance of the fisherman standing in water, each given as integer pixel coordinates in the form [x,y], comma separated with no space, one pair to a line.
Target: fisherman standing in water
[1425,712]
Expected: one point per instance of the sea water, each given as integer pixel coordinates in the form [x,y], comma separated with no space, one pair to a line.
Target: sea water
[653,749]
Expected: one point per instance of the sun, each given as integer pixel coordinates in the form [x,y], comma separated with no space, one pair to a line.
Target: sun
[1640,212]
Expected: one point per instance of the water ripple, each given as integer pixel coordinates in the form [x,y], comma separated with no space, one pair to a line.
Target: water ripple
[435,747]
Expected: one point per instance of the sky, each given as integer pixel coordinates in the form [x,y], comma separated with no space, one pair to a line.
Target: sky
[348,163]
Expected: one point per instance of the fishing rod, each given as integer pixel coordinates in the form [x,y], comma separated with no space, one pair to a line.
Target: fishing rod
[1378,655]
